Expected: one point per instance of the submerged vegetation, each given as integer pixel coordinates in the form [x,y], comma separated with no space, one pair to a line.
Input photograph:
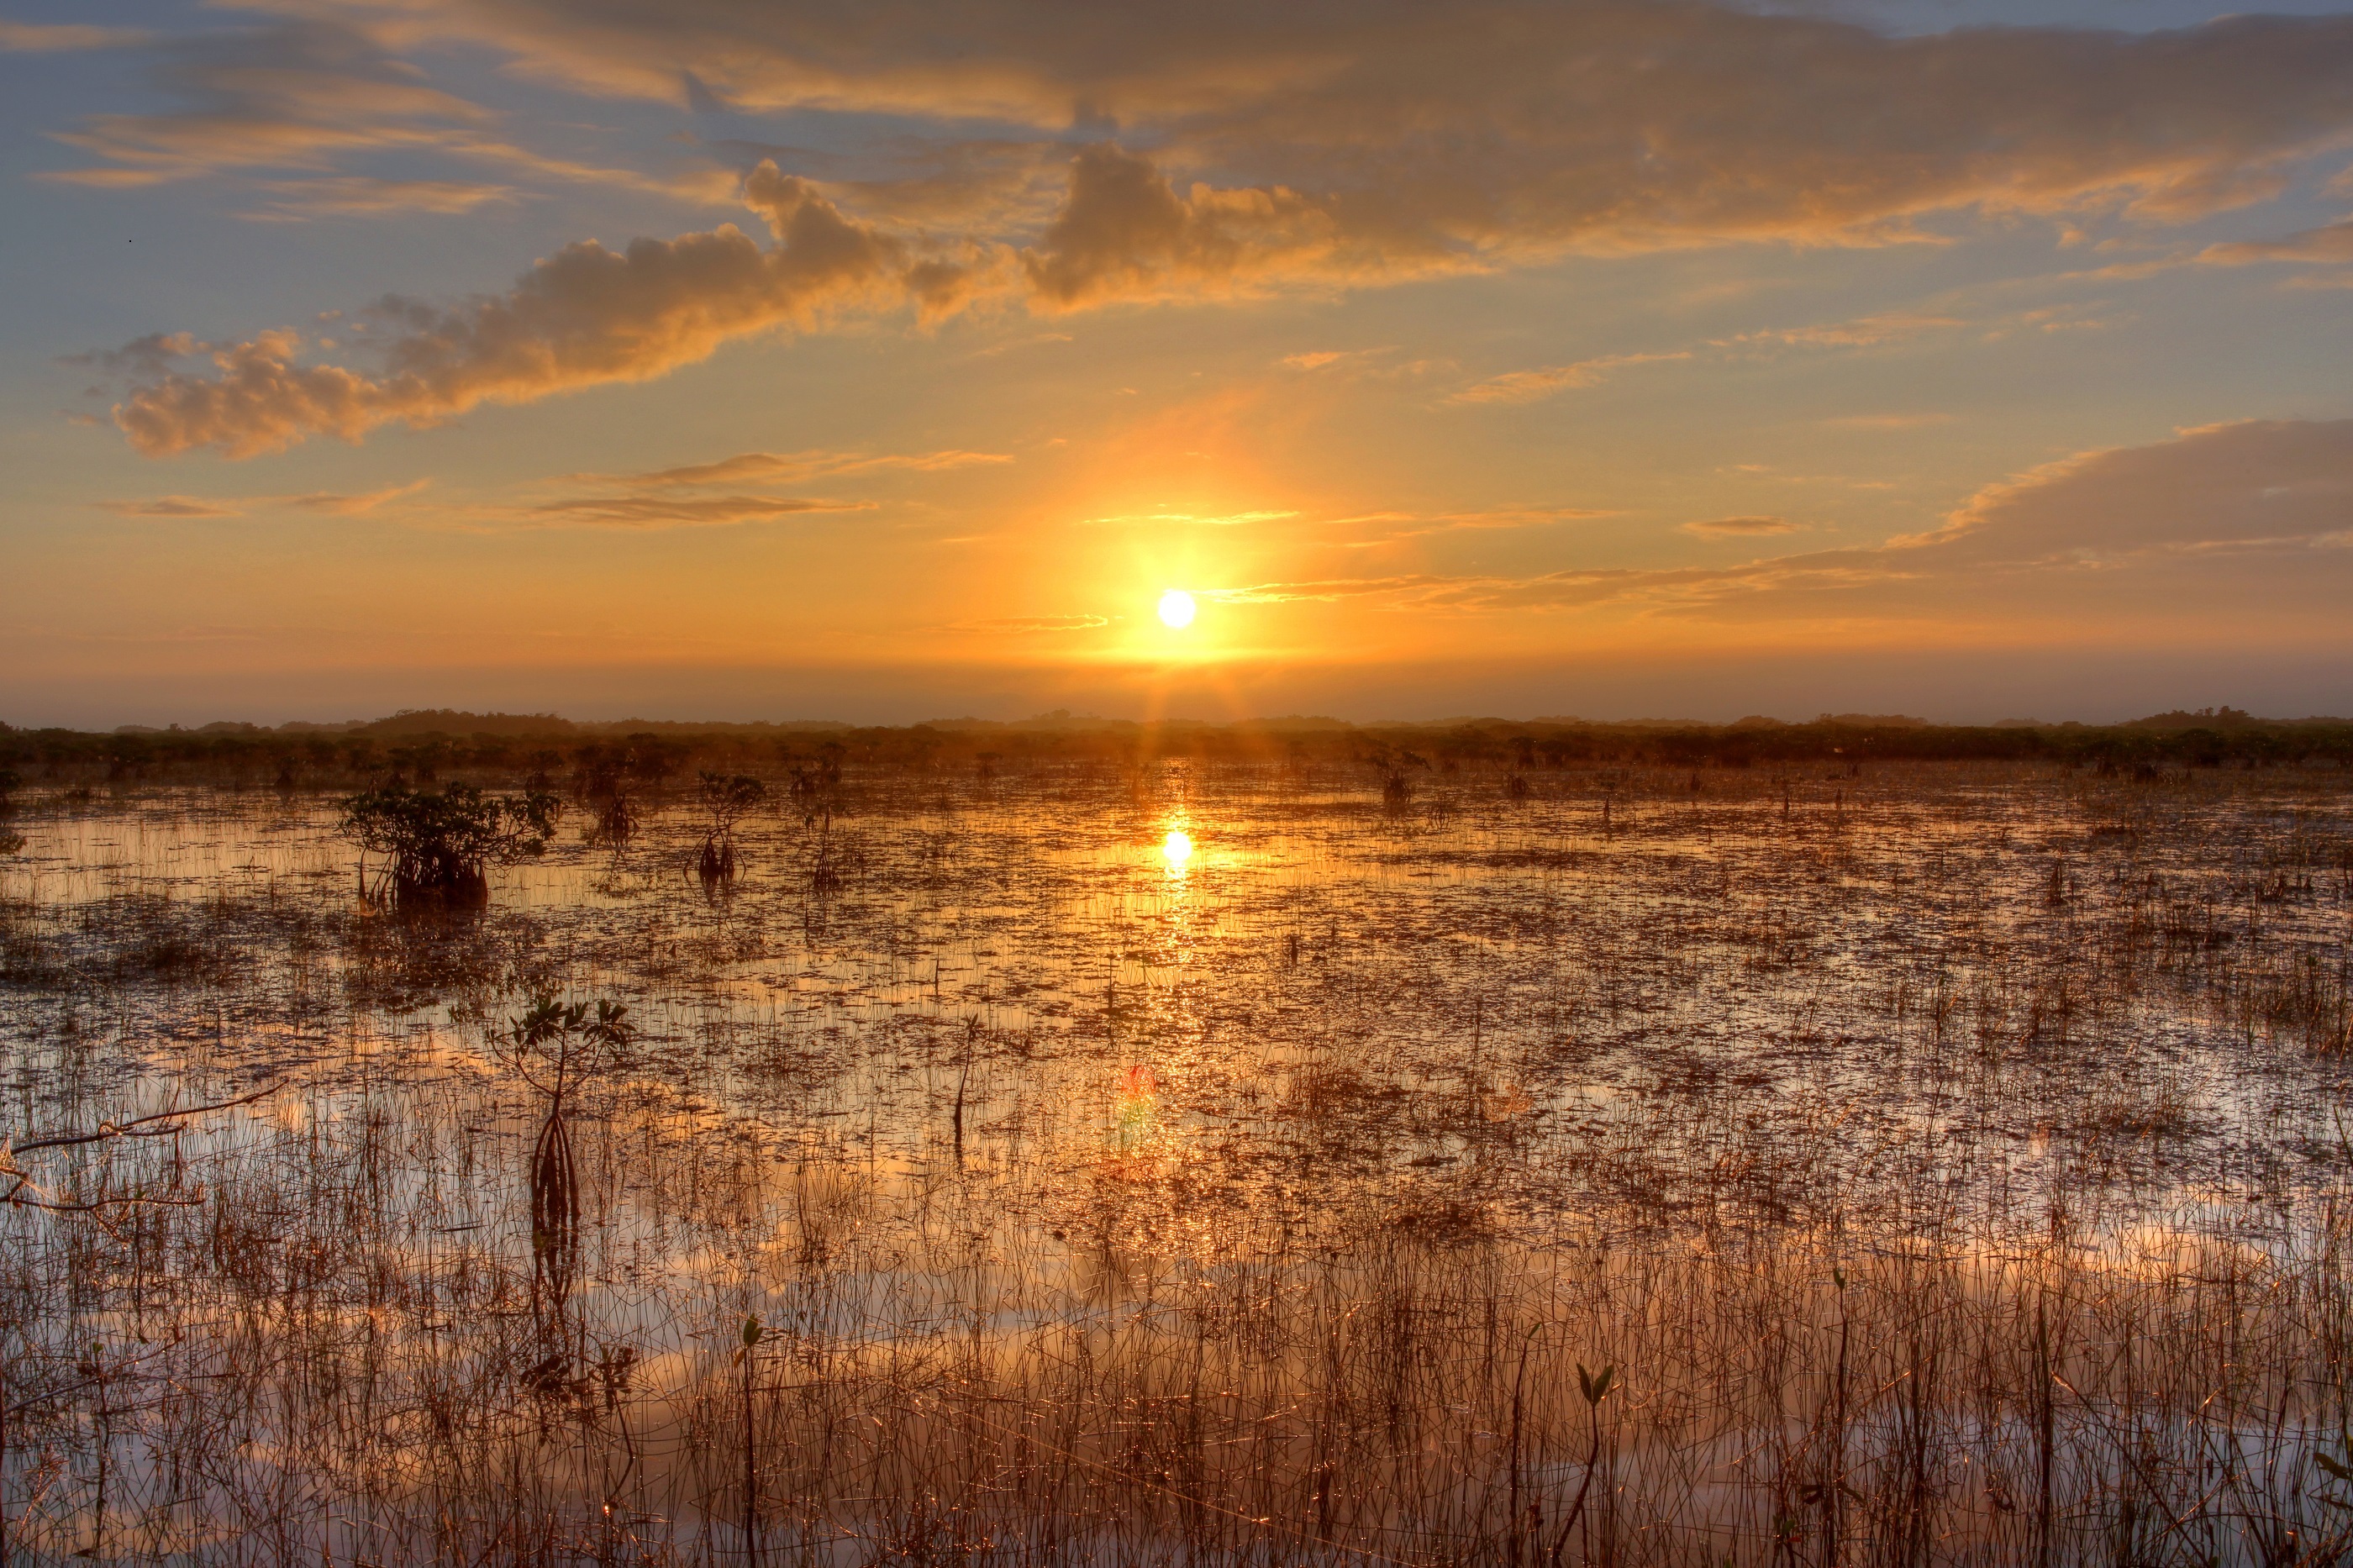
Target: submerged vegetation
[1460,1152]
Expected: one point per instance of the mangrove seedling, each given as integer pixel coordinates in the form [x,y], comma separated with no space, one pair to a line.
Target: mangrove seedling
[555,1047]
[729,801]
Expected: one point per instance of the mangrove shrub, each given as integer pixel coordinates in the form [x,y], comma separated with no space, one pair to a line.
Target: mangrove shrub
[442,846]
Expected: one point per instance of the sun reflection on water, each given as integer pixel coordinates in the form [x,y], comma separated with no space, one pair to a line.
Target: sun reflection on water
[1176,849]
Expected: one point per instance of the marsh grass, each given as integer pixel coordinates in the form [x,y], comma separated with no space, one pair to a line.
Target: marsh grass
[1795,1170]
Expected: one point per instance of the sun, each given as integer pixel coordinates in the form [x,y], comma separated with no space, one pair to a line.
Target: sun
[1177,609]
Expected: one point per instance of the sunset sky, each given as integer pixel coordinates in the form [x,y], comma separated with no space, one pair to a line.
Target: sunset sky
[883,360]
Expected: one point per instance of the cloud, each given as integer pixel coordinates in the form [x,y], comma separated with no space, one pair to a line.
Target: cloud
[35,38]
[1528,385]
[326,502]
[153,354]
[290,96]
[1123,231]
[333,504]
[2261,482]
[2255,516]
[357,196]
[307,95]
[172,506]
[674,511]
[1739,527]
[978,185]
[1326,590]
[1327,144]
[1860,332]
[780,465]
[585,317]
[1388,527]
[1036,623]
[1194,519]
[1887,421]
[1336,138]
[2331,244]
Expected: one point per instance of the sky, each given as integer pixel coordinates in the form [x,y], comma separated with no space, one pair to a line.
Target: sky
[878,361]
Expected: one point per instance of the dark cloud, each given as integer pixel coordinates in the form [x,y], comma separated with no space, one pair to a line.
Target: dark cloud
[1357,135]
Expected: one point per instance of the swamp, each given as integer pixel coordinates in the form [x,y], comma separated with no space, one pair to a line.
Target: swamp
[1127,1158]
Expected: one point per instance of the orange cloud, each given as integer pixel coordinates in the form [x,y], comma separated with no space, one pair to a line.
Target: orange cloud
[1033,624]
[172,506]
[584,317]
[1528,385]
[1739,527]
[2331,244]
[2175,513]
[669,512]
[339,505]
[776,466]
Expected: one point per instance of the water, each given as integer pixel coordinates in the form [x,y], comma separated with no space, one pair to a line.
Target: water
[985,1080]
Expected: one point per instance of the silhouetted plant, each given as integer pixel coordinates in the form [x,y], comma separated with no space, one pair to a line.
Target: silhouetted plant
[606,776]
[1396,794]
[556,1047]
[617,822]
[1595,1387]
[441,845]
[729,801]
[9,785]
[825,875]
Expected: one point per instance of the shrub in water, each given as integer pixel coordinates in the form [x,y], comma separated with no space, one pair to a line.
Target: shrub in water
[441,845]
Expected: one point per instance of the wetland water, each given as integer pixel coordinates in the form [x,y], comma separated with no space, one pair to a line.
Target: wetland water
[1197,1162]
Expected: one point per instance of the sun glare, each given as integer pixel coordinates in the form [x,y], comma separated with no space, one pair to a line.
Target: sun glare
[1177,849]
[1175,609]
